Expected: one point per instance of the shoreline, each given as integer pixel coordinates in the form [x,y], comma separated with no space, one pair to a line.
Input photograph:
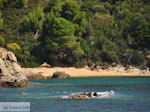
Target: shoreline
[85,72]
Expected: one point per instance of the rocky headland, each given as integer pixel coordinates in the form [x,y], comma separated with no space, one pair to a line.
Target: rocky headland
[11,73]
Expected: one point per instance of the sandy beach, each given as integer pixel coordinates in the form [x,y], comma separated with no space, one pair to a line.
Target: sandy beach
[84,72]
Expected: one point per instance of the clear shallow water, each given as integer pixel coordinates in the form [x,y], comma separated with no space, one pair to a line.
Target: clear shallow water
[131,95]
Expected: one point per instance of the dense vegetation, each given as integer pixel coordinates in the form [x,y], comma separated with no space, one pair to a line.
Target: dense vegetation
[76,32]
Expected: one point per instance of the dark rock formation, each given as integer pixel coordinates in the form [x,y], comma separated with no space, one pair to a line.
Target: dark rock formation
[60,74]
[14,84]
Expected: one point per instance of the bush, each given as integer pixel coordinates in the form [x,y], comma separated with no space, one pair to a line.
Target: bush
[33,22]
[133,57]
[109,56]
[21,3]
[103,43]
[90,63]
[2,41]
[1,21]
[13,3]
[31,64]
[137,58]
[79,64]
[13,46]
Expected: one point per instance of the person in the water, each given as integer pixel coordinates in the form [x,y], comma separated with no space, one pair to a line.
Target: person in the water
[95,94]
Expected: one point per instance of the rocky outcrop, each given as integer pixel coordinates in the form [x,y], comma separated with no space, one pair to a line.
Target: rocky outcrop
[85,95]
[35,76]
[119,69]
[14,82]
[11,73]
[60,75]
[88,95]
[46,65]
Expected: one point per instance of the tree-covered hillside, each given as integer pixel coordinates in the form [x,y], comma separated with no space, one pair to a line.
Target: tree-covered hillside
[76,32]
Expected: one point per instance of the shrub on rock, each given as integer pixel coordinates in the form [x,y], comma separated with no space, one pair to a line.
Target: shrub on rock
[13,46]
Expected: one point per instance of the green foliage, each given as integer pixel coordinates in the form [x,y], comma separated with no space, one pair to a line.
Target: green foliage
[81,23]
[109,56]
[29,54]
[133,57]
[72,32]
[103,43]
[1,21]
[70,10]
[79,64]
[86,48]
[13,3]
[55,6]
[61,40]
[104,25]
[21,3]
[1,3]
[13,46]
[88,6]
[2,41]
[137,58]
[61,27]
[33,21]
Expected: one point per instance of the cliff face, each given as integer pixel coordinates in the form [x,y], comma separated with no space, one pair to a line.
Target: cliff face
[11,73]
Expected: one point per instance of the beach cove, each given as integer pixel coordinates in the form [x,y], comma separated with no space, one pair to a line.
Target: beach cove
[118,71]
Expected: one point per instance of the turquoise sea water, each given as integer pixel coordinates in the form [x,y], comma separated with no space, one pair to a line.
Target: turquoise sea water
[130,95]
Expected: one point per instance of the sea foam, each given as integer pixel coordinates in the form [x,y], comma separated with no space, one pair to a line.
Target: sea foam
[106,94]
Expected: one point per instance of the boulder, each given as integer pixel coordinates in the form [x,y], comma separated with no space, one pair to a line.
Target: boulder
[14,84]
[11,73]
[85,95]
[35,76]
[46,65]
[89,95]
[60,74]
[10,81]
[133,69]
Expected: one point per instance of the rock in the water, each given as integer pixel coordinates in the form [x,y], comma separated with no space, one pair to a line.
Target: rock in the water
[46,65]
[35,76]
[88,95]
[85,95]
[60,74]
[11,81]
[11,73]
[14,84]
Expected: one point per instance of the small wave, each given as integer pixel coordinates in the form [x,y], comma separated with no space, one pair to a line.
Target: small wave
[105,94]
[65,97]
